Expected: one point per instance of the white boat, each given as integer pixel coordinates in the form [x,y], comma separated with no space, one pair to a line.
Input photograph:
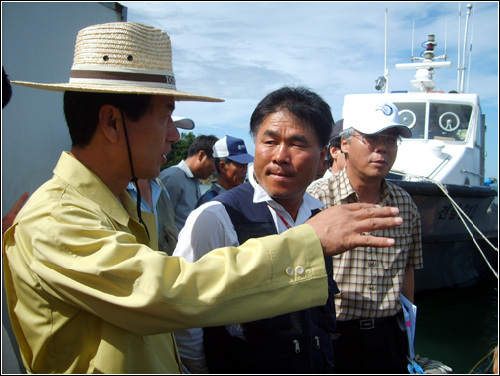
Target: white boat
[442,167]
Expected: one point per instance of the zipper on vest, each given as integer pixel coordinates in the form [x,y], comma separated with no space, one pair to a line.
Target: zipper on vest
[297,347]
[317,341]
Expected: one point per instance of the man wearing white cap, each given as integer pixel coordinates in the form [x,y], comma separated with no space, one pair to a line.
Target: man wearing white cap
[231,163]
[370,339]
[86,292]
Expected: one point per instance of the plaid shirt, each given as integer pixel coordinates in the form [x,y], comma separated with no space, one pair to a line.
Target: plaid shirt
[370,278]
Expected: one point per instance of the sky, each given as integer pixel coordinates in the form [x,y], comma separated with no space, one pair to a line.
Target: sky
[241,51]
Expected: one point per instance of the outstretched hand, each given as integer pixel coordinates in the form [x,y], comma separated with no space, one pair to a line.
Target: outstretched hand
[343,227]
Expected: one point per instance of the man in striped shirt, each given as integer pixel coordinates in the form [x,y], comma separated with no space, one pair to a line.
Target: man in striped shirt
[370,338]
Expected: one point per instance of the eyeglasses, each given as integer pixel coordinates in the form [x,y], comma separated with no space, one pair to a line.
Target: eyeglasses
[374,139]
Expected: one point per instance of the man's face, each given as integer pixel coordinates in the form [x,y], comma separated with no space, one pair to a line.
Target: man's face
[205,166]
[151,137]
[287,155]
[338,158]
[367,160]
[234,173]
[322,167]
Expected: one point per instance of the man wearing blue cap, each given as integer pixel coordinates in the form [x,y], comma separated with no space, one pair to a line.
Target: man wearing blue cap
[231,163]
[369,336]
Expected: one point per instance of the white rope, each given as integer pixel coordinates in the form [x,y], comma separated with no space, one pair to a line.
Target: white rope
[461,214]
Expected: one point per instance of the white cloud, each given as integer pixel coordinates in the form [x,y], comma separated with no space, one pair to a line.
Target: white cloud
[240,51]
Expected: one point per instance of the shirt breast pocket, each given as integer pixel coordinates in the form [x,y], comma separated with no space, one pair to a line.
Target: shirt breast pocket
[396,256]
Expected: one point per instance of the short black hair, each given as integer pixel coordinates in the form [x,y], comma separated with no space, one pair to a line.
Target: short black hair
[337,142]
[305,105]
[81,110]
[204,143]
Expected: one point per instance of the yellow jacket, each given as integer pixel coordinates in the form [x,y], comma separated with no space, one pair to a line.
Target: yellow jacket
[87,295]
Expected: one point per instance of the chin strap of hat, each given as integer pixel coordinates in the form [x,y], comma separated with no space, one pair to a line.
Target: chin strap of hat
[134,178]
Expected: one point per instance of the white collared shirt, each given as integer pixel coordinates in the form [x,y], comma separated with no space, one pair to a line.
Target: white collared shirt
[209,227]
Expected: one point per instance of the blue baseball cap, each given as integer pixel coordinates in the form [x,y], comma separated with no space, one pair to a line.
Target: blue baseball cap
[233,149]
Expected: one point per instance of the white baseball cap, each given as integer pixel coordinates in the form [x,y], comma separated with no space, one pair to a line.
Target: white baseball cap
[371,117]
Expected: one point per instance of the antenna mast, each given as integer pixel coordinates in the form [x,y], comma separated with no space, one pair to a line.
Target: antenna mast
[469,7]
[386,71]
[470,52]
[382,83]
[459,43]
[425,69]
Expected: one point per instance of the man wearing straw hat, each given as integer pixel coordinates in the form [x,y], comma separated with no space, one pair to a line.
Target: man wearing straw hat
[85,291]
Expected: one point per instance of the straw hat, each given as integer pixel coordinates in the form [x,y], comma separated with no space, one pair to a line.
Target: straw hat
[122,57]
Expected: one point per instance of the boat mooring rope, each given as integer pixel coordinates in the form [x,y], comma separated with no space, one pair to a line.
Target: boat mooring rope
[492,362]
[460,213]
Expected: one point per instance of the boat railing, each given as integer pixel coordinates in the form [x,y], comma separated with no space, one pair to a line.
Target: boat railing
[470,173]
[440,166]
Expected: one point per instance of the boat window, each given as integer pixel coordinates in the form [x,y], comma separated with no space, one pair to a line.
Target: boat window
[449,122]
[412,115]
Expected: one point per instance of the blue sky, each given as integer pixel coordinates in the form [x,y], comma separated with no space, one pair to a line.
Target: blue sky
[241,51]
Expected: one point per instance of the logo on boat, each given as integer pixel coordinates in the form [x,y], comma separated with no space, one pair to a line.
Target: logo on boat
[386,109]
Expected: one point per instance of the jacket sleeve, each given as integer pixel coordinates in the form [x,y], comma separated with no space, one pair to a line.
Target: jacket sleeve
[76,259]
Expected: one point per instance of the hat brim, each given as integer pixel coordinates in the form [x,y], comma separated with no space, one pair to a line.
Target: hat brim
[403,130]
[119,89]
[183,123]
[241,158]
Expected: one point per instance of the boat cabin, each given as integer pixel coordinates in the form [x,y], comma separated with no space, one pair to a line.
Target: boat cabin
[447,144]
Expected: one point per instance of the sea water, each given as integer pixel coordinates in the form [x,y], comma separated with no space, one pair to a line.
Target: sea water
[458,327]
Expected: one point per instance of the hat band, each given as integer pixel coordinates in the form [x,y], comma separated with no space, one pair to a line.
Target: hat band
[122,78]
